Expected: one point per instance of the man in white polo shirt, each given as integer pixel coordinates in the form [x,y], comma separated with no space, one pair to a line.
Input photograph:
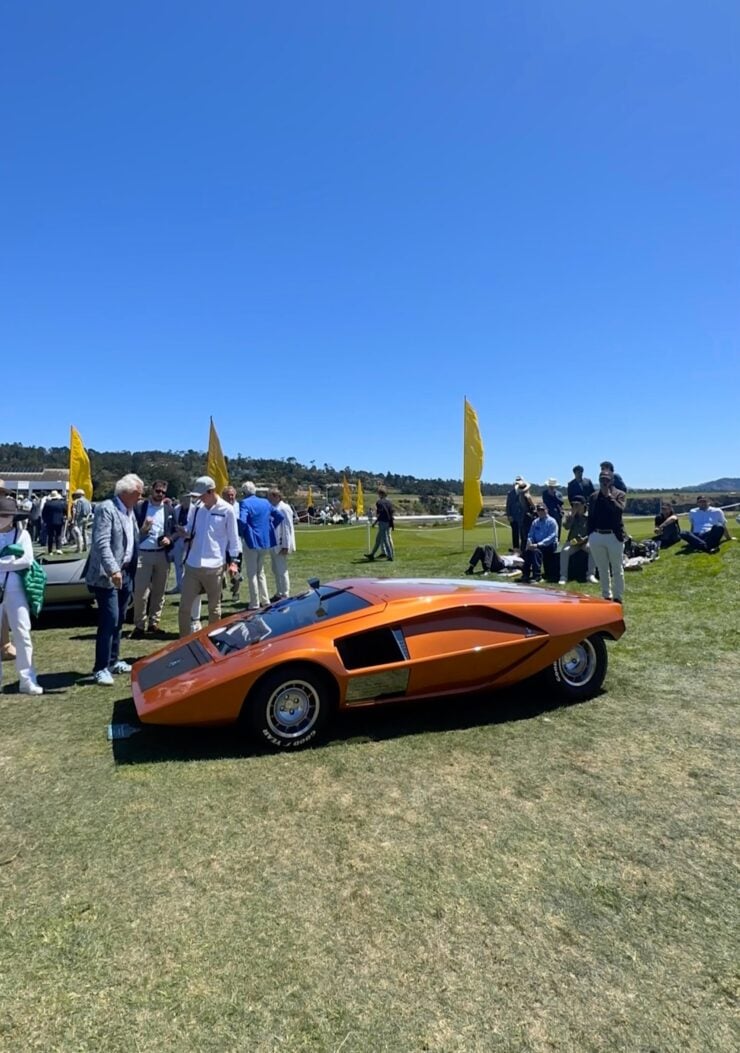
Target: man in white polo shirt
[708,527]
[211,542]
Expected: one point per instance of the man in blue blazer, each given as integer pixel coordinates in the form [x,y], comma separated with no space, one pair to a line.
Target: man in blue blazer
[111,571]
[257,522]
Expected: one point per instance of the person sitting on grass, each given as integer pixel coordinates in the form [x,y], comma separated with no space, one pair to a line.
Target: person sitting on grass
[708,527]
[576,524]
[667,529]
[542,537]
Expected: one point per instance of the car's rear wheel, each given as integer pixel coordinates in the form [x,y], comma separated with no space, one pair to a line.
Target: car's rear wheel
[290,707]
[580,672]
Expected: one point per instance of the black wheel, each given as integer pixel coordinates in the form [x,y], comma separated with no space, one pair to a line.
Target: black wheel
[289,707]
[580,672]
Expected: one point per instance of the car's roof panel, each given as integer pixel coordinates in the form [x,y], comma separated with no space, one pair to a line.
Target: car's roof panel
[381,590]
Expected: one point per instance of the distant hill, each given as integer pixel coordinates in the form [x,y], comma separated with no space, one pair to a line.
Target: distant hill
[716,486]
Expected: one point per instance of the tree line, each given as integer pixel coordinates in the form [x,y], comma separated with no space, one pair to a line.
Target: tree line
[180,467]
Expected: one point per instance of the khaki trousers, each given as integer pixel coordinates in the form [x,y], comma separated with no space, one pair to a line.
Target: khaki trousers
[195,581]
[607,551]
[570,550]
[256,577]
[280,570]
[150,583]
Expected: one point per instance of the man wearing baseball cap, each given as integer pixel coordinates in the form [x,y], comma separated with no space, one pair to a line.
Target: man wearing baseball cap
[542,538]
[211,541]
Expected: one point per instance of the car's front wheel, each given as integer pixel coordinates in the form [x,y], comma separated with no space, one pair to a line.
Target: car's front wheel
[580,672]
[290,707]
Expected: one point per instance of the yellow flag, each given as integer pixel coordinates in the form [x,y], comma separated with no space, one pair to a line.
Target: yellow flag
[472,469]
[216,467]
[360,509]
[309,498]
[79,466]
[346,495]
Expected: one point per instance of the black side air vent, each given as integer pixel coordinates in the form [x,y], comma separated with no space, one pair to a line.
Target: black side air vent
[378,647]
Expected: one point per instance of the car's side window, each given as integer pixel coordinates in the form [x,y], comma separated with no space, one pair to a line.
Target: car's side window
[376,647]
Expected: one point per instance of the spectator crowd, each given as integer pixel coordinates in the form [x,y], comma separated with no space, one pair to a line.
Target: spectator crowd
[215,542]
[132,541]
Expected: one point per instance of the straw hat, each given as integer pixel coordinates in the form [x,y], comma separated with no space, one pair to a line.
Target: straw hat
[522,485]
[78,493]
[552,482]
[55,495]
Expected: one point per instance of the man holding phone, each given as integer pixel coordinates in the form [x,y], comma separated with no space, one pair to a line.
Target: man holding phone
[606,535]
[156,525]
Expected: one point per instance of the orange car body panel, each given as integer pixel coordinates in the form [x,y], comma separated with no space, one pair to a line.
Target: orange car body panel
[458,636]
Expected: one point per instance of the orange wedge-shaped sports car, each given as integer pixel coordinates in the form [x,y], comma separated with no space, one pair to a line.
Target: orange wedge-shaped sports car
[282,671]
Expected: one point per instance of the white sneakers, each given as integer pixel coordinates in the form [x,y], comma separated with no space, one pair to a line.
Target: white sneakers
[562,582]
[30,687]
[593,579]
[104,677]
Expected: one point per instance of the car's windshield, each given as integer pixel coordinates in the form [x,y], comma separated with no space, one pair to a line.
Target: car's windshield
[285,616]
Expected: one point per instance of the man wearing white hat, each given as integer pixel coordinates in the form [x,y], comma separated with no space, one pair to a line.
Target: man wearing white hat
[513,512]
[553,502]
[81,509]
[211,542]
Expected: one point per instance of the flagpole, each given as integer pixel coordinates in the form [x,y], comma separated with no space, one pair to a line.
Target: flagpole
[462,547]
[69,484]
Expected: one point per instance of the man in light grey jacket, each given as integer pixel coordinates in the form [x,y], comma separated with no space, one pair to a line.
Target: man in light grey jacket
[111,571]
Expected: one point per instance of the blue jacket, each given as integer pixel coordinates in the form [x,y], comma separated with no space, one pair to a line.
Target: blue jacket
[544,532]
[257,522]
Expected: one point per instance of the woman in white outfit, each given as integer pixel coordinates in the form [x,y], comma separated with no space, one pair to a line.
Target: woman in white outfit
[14,604]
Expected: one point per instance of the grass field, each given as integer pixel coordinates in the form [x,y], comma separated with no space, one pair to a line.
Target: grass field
[482,874]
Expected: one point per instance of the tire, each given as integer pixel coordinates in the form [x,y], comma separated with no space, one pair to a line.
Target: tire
[579,673]
[290,707]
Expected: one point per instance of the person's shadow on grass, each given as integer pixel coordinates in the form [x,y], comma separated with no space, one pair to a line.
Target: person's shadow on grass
[52,683]
[58,682]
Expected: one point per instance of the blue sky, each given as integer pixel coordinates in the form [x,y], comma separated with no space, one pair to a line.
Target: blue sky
[326,223]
